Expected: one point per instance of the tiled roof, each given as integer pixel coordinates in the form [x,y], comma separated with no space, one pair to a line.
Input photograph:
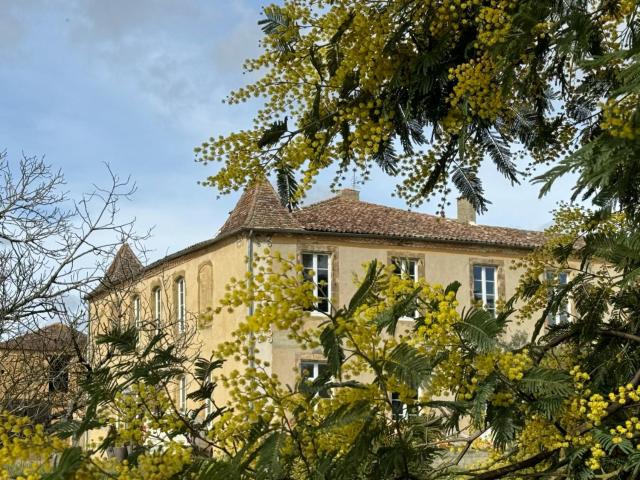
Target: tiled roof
[259,208]
[52,338]
[125,265]
[345,214]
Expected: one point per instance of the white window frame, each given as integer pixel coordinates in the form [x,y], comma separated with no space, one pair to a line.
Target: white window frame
[157,307]
[182,394]
[483,286]
[315,370]
[556,319]
[181,305]
[314,267]
[405,408]
[404,263]
[136,312]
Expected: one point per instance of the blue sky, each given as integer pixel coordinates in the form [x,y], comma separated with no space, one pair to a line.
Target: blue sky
[138,84]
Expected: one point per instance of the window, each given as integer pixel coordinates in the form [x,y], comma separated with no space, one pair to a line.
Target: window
[136,312]
[316,268]
[556,281]
[59,374]
[406,267]
[157,307]
[182,394]
[484,287]
[310,370]
[208,403]
[180,305]
[400,409]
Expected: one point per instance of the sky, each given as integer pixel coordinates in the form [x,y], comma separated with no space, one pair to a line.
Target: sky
[136,85]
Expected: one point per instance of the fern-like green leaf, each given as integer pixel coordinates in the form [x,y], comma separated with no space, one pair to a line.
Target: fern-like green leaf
[546,382]
[480,329]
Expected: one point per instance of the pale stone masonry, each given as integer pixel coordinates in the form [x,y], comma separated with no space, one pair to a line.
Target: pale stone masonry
[335,237]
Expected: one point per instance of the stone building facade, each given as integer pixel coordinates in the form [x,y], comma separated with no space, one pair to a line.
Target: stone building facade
[335,238]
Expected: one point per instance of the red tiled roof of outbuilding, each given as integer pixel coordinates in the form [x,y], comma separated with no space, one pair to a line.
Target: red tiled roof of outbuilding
[51,338]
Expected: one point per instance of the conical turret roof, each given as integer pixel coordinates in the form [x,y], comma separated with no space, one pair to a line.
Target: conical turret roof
[259,208]
[125,265]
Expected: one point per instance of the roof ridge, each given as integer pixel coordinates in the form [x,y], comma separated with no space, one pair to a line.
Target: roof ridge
[415,212]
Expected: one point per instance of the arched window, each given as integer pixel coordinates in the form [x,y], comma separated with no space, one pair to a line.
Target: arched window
[136,312]
[181,311]
[157,307]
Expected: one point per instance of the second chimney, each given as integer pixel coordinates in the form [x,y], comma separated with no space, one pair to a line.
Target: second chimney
[466,212]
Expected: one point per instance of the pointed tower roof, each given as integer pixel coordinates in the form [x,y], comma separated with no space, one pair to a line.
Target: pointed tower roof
[259,208]
[125,265]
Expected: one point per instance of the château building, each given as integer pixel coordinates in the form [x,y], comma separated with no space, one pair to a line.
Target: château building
[334,238]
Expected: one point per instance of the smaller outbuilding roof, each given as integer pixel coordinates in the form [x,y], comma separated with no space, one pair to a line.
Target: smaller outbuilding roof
[56,337]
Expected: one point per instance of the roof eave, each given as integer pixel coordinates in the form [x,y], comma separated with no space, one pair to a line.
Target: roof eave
[298,231]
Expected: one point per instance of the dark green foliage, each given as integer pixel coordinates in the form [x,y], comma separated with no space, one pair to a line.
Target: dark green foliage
[406,307]
[273,133]
[287,187]
[480,329]
[544,381]
[408,365]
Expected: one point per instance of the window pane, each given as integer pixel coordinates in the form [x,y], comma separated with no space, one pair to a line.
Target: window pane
[306,369]
[323,305]
[323,276]
[413,269]
[396,405]
[489,273]
[490,288]
[307,260]
[477,273]
[323,261]
[562,278]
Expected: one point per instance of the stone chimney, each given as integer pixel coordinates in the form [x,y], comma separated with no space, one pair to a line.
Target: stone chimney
[466,212]
[350,194]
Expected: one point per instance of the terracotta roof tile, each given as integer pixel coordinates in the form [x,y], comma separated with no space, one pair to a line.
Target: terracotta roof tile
[346,214]
[125,265]
[52,338]
[259,208]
